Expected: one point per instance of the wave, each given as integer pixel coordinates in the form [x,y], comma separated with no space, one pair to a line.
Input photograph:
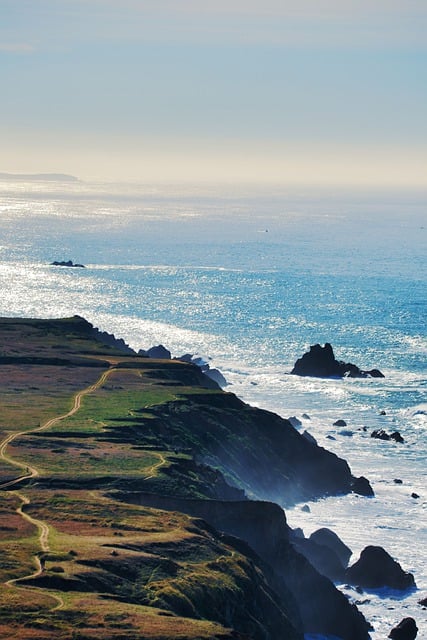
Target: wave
[419,410]
[161,268]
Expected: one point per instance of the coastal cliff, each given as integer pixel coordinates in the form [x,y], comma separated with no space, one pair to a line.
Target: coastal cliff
[149,497]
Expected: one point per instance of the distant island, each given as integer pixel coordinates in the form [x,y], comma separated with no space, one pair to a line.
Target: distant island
[66,263]
[29,177]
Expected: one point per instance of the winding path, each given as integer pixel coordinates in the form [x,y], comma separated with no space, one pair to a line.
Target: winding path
[31,472]
[154,467]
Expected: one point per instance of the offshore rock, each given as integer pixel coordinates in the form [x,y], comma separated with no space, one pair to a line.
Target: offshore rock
[66,263]
[320,362]
[321,557]
[381,434]
[328,538]
[406,630]
[376,568]
[362,487]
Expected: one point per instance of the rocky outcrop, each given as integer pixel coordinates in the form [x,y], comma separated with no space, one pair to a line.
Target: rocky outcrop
[376,568]
[362,487]
[327,538]
[380,434]
[325,551]
[213,374]
[110,340]
[159,352]
[321,557]
[66,263]
[262,525]
[320,362]
[406,630]
[216,376]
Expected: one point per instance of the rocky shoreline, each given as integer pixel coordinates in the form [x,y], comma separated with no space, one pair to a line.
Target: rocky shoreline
[232,468]
[324,552]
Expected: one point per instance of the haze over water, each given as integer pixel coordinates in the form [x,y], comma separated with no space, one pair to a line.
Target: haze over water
[251,278]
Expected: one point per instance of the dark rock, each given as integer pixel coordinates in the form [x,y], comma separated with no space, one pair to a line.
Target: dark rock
[405,630]
[375,373]
[305,416]
[309,437]
[320,362]
[383,413]
[362,487]
[306,508]
[111,340]
[376,568]
[216,375]
[213,374]
[66,263]
[328,538]
[322,558]
[295,422]
[415,495]
[380,434]
[296,533]
[398,481]
[423,602]
[330,437]
[159,353]
[340,423]
[186,357]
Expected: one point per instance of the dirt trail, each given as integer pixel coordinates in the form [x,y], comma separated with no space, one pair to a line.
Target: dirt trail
[31,472]
[154,467]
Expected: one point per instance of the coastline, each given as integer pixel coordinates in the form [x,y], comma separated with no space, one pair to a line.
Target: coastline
[204,402]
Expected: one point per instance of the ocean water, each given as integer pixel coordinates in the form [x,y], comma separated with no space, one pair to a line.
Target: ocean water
[250,278]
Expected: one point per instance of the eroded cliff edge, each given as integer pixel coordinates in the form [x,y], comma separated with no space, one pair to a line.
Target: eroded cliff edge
[152,438]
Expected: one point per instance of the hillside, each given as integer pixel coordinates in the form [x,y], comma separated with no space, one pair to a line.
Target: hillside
[136,499]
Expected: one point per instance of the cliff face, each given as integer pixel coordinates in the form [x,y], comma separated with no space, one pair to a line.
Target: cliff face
[254,449]
[106,476]
[312,600]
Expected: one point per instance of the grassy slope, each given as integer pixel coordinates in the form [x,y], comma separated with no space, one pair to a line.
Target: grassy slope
[111,570]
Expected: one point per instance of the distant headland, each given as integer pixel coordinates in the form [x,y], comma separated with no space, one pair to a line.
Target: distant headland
[28,177]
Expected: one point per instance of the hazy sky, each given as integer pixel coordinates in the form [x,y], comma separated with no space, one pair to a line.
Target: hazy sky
[289,91]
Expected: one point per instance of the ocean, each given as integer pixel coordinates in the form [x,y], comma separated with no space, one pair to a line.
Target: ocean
[249,278]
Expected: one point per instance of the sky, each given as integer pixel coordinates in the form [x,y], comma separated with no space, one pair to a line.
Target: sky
[320,92]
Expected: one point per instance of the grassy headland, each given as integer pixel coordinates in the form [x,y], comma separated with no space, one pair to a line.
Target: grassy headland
[86,430]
